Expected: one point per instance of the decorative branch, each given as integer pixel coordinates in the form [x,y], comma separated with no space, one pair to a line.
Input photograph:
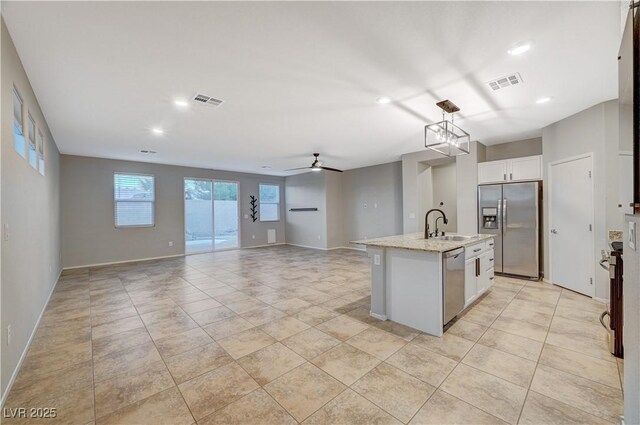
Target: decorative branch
[254,207]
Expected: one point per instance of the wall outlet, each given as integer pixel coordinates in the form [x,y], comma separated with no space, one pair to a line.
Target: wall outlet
[5,231]
[253,236]
[246,216]
[319,237]
[376,259]
[375,205]
[170,243]
[9,334]
[365,205]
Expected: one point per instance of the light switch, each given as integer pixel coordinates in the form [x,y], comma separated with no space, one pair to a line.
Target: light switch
[631,235]
[376,259]
[5,232]
[246,216]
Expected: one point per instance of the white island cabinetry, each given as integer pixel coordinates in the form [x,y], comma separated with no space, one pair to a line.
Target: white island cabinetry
[407,277]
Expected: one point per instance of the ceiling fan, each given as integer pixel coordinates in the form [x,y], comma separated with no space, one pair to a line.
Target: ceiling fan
[316,165]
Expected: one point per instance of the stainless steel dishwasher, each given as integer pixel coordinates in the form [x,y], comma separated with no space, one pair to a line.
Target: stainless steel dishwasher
[452,283]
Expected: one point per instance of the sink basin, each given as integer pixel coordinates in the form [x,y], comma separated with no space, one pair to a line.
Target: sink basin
[456,238]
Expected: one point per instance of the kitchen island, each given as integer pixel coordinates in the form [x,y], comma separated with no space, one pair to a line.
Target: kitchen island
[407,277]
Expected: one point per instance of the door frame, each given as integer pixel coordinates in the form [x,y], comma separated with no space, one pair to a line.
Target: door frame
[213,215]
[588,155]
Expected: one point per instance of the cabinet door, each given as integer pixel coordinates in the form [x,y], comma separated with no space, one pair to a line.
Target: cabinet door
[492,172]
[527,168]
[470,289]
[482,283]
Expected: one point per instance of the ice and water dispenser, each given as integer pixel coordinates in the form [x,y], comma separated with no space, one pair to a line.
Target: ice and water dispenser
[489,218]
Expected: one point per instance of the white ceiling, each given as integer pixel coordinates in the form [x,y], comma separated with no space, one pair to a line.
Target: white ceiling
[299,78]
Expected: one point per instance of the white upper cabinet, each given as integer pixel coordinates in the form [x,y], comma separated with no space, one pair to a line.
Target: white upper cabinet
[510,170]
[527,168]
[492,172]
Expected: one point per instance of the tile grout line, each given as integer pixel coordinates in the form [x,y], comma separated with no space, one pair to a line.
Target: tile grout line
[539,357]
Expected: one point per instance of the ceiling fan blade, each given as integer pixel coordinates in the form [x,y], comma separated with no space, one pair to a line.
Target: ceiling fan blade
[296,169]
[330,169]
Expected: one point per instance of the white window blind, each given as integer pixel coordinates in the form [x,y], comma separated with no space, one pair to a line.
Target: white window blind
[40,152]
[134,199]
[18,132]
[269,202]
[33,158]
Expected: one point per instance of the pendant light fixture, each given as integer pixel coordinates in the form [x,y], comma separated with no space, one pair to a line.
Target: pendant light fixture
[445,137]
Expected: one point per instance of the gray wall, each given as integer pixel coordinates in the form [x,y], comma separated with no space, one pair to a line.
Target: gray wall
[372,202]
[30,206]
[357,204]
[445,191]
[517,149]
[88,227]
[307,228]
[417,187]
[335,208]
[589,131]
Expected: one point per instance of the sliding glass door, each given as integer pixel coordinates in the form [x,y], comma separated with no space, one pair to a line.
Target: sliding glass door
[225,215]
[211,215]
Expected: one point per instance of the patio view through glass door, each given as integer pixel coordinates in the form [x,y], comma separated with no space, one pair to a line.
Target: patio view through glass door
[211,215]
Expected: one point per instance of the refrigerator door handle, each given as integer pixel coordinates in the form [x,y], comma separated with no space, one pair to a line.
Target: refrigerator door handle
[504,215]
[499,214]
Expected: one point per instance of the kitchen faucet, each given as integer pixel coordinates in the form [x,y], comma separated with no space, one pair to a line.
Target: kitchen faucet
[427,235]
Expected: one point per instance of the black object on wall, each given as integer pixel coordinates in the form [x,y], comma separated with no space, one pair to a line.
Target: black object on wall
[254,207]
[303,209]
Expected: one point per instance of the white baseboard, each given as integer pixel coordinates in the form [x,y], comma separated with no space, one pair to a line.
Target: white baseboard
[601,300]
[378,316]
[353,248]
[306,246]
[14,375]
[123,262]
[263,246]
[327,249]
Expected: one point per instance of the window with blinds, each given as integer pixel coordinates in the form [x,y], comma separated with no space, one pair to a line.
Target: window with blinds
[18,132]
[134,199]
[269,202]
[40,152]
[33,157]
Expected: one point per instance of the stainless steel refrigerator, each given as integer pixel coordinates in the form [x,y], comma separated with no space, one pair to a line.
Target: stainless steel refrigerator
[511,212]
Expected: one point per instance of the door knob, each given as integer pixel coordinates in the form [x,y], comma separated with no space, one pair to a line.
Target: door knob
[554,231]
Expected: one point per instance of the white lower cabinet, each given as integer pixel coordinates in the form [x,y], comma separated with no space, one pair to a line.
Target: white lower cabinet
[478,271]
[470,288]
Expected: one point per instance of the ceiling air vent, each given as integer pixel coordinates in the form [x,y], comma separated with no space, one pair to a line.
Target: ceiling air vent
[504,82]
[203,99]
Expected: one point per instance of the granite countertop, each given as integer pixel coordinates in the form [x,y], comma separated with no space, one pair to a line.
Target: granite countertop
[416,242]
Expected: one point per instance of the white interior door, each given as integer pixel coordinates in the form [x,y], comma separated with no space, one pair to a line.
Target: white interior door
[570,223]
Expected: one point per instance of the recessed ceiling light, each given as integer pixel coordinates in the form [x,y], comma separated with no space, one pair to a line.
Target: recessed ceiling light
[543,100]
[157,130]
[181,103]
[383,100]
[519,49]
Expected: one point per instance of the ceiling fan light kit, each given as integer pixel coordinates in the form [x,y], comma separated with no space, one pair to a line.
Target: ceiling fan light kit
[316,165]
[445,137]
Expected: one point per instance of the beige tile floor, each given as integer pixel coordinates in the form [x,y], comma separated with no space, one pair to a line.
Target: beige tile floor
[283,335]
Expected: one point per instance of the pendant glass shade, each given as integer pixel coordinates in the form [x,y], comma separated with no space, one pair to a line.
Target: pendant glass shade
[446,138]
